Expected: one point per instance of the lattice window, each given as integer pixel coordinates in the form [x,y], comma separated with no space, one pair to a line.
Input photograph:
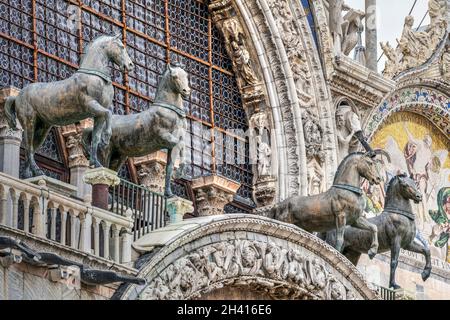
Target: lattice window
[47,46]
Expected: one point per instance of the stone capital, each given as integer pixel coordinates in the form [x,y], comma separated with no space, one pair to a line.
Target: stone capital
[265,190]
[177,207]
[151,170]
[213,193]
[101,175]
[5,131]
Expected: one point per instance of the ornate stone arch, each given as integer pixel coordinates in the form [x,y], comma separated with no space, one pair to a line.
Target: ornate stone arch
[427,101]
[290,82]
[245,252]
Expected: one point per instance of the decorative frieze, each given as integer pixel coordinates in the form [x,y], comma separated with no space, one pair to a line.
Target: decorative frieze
[212,193]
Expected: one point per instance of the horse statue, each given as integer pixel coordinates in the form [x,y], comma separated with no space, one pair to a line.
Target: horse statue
[87,93]
[162,126]
[396,228]
[341,205]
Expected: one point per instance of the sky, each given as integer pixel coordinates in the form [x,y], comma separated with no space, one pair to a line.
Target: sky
[390,19]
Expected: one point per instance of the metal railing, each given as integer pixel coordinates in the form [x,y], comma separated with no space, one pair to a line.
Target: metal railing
[148,209]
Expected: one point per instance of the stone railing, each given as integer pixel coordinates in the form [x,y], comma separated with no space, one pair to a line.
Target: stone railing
[41,211]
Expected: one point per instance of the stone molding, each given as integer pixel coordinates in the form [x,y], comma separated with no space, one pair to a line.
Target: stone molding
[264,250]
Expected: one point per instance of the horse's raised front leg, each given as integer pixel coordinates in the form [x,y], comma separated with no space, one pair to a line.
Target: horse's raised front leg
[395,252]
[101,116]
[416,246]
[363,223]
[169,168]
[340,230]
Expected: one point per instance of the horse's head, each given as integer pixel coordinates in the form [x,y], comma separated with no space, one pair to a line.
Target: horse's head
[367,168]
[177,80]
[116,52]
[408,188]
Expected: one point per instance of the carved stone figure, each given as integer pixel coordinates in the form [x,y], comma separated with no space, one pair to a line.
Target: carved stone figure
[241,61]
[396,228]
[266,267]
[347,124]
[341,205]
[101,277]
[264,157]
[162,126]
[313,132]
[87,93]
[352,23]
[417,47]
[335,22]
[76,152]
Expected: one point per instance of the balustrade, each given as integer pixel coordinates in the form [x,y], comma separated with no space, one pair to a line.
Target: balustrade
[34,209]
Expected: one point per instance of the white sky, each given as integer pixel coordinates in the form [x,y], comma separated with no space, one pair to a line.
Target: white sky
[390,18]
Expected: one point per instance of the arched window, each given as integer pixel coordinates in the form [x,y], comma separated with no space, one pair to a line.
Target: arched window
[47,46]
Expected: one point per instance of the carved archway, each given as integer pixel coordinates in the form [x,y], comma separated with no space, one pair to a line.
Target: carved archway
[246,252]
[423,100]
[281,43]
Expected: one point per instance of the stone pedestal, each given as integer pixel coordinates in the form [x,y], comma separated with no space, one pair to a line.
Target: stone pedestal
[9,139]
[78,162]
[177,207]
[100,179]
[151,171]
[212,193]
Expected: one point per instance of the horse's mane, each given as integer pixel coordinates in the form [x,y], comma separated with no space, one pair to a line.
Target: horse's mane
[391,184]
[94,41]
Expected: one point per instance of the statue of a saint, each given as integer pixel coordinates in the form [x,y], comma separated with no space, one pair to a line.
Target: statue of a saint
[241,60]
[264,157]
[347,124]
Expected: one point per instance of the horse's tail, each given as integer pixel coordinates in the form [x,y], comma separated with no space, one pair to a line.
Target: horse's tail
[10,112]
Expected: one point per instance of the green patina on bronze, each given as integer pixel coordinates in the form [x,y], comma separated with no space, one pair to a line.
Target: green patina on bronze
[162,126]
[86,94]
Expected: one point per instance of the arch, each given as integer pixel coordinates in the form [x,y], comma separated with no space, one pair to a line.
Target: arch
[246,252]
[429,102]
[279,55]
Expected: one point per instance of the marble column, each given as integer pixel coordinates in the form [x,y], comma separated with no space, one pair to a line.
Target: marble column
[371,35]
[212,193]
[9,139]
[100,179]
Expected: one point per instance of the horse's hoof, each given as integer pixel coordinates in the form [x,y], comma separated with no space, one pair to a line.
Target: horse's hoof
[372,253]
[394,286]
[169,195]
[426,274]
[38,172]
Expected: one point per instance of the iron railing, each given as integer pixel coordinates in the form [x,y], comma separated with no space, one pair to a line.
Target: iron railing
[148,209]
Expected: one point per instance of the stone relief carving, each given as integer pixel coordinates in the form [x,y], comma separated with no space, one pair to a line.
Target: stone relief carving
[315,154]
[347,124]
[261,144]
[416,47]
[445,63]
[283,273]
[152,176]
[76,152]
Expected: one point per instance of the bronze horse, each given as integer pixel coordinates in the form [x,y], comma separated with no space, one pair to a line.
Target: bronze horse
[87,93]
[396,228]
[162,126]
[341,205]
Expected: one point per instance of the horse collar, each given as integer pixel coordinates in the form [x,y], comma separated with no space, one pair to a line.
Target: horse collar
[347,187]
[177,110]
[97,73]
[401,212]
